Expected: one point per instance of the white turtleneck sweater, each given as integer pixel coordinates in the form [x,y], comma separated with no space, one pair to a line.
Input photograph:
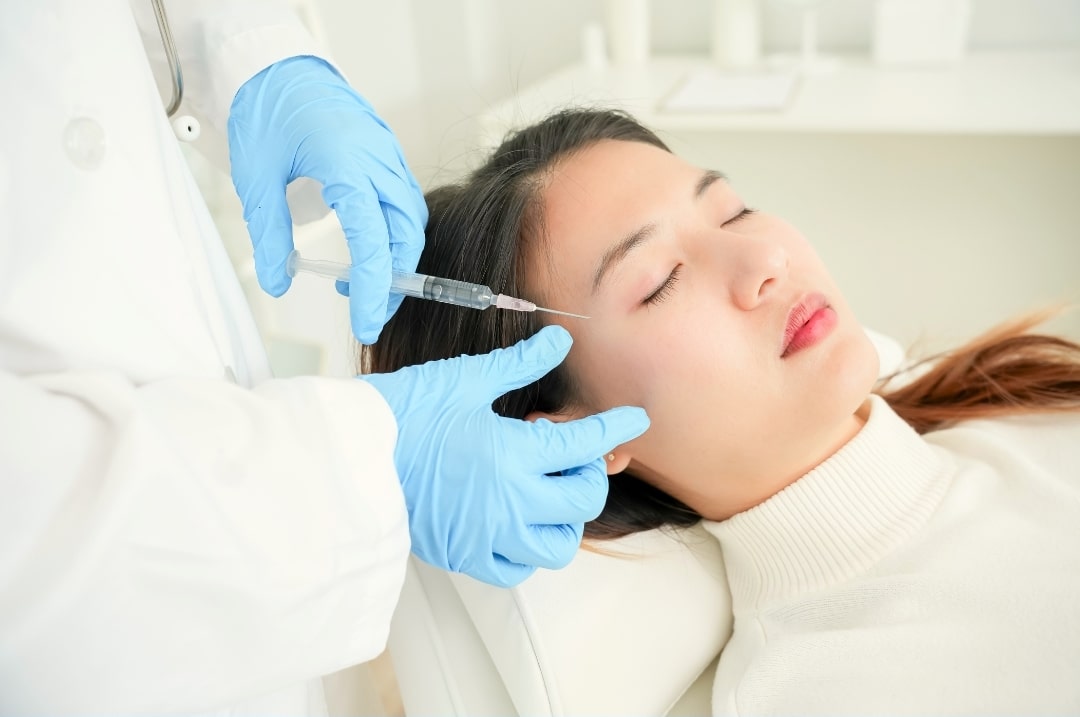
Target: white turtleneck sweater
[909,574]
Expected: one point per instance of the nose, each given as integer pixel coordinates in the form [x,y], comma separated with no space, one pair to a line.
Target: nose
[757,266]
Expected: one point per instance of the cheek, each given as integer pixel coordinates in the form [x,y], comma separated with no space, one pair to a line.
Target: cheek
[609,372]
[675,362]
[706,398]
[625,361]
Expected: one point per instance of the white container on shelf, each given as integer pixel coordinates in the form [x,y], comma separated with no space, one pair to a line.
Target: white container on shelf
[920,32]
[627,25]
[736,33]
[594,47]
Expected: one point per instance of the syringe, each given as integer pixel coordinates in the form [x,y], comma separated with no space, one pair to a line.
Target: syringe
[424,286]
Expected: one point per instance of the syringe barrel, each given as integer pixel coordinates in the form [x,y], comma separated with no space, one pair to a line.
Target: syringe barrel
[448,291]
[295,263]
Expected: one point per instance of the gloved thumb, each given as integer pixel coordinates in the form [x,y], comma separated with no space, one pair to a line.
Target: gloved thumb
[270,226]
[581,441]
[526,361]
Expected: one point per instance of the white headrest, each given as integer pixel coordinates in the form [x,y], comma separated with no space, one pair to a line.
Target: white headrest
[576,641]
[891,354]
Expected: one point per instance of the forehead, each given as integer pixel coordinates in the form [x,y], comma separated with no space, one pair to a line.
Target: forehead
[604,176]
[600,194]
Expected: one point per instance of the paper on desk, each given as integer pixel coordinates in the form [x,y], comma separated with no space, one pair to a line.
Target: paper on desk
[717,90]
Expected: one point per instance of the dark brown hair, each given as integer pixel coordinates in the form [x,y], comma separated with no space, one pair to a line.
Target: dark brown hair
[486,228]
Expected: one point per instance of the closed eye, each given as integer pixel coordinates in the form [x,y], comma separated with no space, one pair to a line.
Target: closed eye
[664,290]
[746,211]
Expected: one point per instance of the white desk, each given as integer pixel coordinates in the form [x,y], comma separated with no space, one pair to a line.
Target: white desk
[943,200]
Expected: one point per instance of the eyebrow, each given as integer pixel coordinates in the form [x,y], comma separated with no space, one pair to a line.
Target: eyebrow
[625,246]
[708,178]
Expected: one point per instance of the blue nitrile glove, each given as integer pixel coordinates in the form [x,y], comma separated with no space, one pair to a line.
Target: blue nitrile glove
[299,118]
[477,485]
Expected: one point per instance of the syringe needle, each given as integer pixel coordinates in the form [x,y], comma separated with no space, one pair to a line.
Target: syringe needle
[422,286]
[561,313]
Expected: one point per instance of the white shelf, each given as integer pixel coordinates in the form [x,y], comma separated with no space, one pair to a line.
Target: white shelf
[1001,93]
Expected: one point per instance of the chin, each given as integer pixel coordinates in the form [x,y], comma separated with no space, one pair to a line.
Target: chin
[849,370]
[841,385]
[860,365]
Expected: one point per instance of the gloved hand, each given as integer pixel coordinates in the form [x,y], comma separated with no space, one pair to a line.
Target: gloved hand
[476,484]
[299,118]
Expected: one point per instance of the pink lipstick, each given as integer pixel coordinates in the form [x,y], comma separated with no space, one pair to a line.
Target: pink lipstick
[808,322]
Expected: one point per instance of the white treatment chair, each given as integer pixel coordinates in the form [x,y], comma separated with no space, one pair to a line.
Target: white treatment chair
[634,633]
[608,635]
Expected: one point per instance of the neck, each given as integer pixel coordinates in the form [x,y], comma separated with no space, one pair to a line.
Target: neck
[840,518]
[743,493]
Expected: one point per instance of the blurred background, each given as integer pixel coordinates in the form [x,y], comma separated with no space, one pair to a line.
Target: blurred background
[930,149]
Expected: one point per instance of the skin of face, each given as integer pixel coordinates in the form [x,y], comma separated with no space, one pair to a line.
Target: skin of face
[733,420]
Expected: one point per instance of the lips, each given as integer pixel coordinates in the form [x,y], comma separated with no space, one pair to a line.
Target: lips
[807,322]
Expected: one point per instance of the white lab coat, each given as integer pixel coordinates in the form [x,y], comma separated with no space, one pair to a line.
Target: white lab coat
[179,532]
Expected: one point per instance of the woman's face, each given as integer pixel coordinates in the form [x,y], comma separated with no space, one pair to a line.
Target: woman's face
[725,326]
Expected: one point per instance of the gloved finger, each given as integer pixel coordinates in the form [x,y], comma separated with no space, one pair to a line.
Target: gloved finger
[559,446]
[504,573]
[545,546]
[399,189]
[406,243]
[368,239]
[576,496]
[270,227]
[524,362]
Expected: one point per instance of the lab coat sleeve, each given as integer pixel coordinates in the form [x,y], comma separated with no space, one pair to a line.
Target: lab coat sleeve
[189,542]
[221,44]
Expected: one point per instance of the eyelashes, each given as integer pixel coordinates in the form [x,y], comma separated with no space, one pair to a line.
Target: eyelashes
[664,290]
[746,211]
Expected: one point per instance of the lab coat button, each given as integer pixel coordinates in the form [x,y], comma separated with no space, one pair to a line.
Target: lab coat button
[84,142]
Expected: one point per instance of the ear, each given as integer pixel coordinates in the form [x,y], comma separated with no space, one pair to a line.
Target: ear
[616,460]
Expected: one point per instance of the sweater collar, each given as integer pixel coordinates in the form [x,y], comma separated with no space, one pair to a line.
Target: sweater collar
[837,520]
